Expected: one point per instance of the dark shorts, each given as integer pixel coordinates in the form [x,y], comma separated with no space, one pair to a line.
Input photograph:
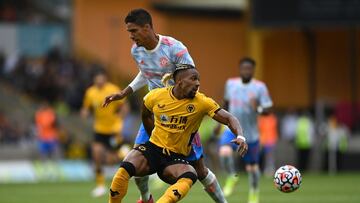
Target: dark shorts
[158,158]
[197,149]
[107,140]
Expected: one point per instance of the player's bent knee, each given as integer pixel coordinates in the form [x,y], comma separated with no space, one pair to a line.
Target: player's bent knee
[225,150]
[190,175]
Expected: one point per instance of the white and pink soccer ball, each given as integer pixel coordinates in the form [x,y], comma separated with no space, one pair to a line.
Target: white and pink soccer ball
[287,178]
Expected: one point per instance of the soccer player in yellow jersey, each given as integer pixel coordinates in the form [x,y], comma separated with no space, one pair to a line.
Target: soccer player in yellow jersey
[172,116]
[107,126]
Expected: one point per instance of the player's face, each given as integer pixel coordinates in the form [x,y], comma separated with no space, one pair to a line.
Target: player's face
[246,71]
[190,82]
[138,33]
[100,80]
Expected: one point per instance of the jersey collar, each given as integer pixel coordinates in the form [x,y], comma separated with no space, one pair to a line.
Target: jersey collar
[171,93]
[157,46]
[246,84]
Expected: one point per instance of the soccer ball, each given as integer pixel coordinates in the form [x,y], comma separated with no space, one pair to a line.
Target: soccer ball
[287,179]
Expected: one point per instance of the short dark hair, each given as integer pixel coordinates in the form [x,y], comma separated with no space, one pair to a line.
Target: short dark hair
[247,60]
[139,17]
[99,71]
[181,67]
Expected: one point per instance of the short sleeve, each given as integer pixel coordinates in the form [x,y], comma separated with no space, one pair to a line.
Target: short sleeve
[181,55]
[132,51]
[226,91]
[148,100]
[209,105]
[87,99]
[265,99]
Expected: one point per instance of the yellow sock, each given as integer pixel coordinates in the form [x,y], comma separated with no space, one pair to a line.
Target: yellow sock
[177,191]
[99,179]
[119,186]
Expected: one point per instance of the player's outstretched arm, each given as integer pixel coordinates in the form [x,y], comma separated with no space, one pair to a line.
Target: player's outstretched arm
[138,82]
[117,96]
[233,123]
[147,119]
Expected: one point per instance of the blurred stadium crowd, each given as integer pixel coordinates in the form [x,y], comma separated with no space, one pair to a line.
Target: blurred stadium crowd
[55,79]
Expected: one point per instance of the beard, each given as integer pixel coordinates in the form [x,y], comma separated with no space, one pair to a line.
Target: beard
[191,94]
[246,80]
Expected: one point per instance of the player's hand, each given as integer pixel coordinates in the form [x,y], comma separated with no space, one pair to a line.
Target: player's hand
[111,98]
[243,147]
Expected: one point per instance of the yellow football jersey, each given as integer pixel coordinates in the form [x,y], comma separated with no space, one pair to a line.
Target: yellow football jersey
[177,121]
[106,120]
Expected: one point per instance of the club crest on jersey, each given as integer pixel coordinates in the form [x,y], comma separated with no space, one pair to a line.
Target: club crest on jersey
[164,62]
[190,108]
[164,118]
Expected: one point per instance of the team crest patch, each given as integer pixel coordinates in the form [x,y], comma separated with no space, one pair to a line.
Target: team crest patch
[190,108]
[142,148]
[164,61]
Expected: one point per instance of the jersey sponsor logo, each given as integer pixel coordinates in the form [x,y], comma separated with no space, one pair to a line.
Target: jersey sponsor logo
[164,118]
[190,108]
[178,119]
[173,126]
[164,62]
[175,122]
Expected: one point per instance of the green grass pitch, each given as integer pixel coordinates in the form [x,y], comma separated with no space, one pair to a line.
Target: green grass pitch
[315,188]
